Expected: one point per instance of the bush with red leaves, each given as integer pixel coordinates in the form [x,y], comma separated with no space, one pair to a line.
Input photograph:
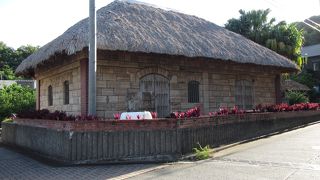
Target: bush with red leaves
[223,111]
[56,115]
[193,112]
[283,107]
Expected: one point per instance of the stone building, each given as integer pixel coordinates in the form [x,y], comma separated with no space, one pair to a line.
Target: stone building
[153,59]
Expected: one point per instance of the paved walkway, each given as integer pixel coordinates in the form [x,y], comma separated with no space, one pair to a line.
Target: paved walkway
[14,165]
[292,155]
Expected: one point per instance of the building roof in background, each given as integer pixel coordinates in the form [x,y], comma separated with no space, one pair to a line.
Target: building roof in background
[311,51]
[291,85]
[6,83]
[135,27]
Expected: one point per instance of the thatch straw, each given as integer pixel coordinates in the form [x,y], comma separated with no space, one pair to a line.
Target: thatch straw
[136,27]
[291,85]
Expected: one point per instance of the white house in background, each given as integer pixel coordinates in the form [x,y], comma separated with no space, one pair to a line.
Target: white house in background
[313,63]
[313,54]
[26,83]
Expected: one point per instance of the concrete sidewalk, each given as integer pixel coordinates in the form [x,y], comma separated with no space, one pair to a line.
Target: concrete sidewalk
[291,155]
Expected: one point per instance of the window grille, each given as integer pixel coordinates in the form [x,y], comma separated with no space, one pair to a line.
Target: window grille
[315,66]
[193,92]
[50,96]
[244,94]
[66,92]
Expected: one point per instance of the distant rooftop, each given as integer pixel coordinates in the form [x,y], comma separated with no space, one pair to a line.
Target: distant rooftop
[311,51]
[25,83]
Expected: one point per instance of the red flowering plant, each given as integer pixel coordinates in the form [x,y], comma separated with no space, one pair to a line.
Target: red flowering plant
[154,115]
[193,112]
[283,107]
[224,111]
[56,115]
[313,106]
[116,116]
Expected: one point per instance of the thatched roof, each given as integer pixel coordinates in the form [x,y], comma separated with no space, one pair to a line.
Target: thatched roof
[137,27]
[291,85]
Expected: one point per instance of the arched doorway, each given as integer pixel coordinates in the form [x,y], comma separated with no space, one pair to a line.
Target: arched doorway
[154,89]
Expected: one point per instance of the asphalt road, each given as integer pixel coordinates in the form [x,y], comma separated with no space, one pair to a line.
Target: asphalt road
[291,155]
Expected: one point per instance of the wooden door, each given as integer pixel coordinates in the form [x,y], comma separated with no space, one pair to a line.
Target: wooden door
[154,89]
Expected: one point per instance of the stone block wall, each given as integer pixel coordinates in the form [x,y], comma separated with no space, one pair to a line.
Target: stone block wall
[56,76]
[119,73]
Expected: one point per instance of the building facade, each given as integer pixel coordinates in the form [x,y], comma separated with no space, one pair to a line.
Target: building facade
[155,60]
[161,83]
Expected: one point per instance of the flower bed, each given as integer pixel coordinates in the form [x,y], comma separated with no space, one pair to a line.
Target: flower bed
[165,123]
[161,140]
[191,113]
[191,118]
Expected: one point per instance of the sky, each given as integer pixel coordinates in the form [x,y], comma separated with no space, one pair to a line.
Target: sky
[37,22]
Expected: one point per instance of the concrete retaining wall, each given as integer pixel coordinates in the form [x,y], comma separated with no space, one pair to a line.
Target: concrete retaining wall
[147,144]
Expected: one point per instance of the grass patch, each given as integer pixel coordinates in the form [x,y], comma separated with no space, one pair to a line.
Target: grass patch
[202,152]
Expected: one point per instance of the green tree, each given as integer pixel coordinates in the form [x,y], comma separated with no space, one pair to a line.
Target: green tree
[6,53]
[22,53]
[253,24]
[11,58]
[282,38]
[6,73]
[286,40]
[15,98]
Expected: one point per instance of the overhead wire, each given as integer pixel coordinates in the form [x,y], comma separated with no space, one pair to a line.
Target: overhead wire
[275,4]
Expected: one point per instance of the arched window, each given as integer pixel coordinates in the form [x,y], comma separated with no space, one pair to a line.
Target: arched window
[66,92]
[50,96]
[193,92]
[244,94]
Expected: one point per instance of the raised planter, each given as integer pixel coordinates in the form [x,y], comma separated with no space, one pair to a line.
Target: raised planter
[142,140]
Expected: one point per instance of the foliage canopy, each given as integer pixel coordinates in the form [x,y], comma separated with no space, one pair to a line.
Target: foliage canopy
[14,99]
[282,38]
[11,58]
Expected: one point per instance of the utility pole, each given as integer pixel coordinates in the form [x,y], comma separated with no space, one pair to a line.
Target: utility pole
[92,59]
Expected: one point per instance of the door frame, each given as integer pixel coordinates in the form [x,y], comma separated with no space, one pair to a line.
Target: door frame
[157,74]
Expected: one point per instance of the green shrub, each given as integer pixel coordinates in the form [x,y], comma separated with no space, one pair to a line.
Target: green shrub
[202,152]
[15,98]
[295,97]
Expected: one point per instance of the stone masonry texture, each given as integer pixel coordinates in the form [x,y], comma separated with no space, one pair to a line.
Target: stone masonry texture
[119,74]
